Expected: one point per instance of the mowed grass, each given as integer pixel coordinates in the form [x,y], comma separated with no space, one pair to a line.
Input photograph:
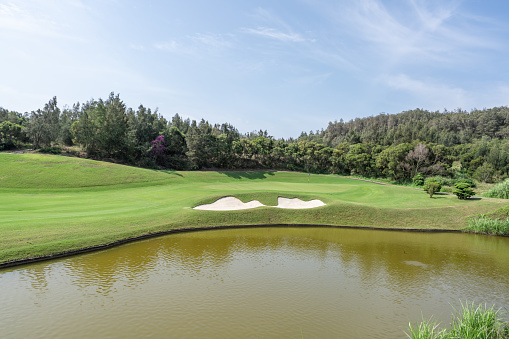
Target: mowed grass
[52,204]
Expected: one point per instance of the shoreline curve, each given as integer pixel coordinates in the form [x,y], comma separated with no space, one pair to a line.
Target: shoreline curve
[116,243]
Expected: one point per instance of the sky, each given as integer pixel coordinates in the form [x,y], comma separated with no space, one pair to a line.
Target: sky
[284,66]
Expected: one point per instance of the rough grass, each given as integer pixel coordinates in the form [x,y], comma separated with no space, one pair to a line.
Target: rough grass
[51,204]
[500,190]
[471,322]
[485,225]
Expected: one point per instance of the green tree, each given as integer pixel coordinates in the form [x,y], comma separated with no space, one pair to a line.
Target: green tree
[432,186]
[102,127]
[485,172]
[202,145]
[10,135]
[463,190]
[44,125]
[390,161]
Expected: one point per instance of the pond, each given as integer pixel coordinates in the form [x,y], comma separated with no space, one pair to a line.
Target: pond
[256,282]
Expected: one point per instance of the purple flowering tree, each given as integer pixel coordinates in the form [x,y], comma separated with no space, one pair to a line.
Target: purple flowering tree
[158,151]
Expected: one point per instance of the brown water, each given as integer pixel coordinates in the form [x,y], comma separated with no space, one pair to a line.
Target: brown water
[258,282]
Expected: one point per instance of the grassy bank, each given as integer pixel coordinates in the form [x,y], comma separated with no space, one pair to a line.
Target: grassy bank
[51,204]
[471,322]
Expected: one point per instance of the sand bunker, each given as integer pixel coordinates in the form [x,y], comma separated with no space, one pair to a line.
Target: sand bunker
[296,203]
[229,204]
[233,204]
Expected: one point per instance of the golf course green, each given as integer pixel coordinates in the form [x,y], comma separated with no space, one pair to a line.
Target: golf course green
[53,204]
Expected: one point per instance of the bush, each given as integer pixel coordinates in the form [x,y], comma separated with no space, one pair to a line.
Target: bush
[50,150]
[463,190]
[466,180]
[443,181]
[432,186]
[500,190]
[446,189]
[418,179]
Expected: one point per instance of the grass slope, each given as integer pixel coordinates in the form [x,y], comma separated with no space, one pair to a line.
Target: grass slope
[51,204]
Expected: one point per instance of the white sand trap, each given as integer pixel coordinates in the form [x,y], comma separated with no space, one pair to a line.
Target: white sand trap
[234,204]
[229,204]
[297,204]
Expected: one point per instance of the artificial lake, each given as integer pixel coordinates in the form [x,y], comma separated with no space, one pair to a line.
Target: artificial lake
[291,282]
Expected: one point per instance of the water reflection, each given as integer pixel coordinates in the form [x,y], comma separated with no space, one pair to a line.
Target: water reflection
[269,282]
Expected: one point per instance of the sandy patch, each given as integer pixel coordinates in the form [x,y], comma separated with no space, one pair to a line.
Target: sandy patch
[296,203]
[234,204]
[229,204]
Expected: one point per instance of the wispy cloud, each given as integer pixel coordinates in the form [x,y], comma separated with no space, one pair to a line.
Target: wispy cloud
[274,34]
[196,45]
[413,31]
[29,19]
[273,27]
[211,40]
[167,46]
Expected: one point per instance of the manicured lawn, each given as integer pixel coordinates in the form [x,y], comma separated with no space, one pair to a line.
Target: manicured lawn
[51,204]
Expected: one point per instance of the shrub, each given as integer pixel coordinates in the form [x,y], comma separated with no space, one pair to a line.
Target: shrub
[468,181]
[443,181]
[432,186]
[463,190]
[50,150]
[446,189]
[500,190]
[418,179]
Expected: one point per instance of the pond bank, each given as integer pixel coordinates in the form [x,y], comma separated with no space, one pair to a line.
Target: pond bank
[202,228]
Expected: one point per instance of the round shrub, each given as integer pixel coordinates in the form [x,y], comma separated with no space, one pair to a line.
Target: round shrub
[418,179]
[463,190]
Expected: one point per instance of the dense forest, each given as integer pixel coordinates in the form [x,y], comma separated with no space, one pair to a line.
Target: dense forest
[398,146]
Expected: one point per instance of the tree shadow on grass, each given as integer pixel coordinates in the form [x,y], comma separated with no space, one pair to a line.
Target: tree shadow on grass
[172,172]
[248,174]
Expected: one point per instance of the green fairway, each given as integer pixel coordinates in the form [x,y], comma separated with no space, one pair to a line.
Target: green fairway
[52,204]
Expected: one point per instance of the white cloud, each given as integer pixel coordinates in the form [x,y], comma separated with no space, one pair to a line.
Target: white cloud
[36,19]
[415,31]
[274,34]
[212,40]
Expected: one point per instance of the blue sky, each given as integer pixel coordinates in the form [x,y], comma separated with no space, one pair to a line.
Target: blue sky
[280,65]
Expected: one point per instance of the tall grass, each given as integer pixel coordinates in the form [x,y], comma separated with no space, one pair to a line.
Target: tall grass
[500,190]
[427,329]
[471,322]
[485,225]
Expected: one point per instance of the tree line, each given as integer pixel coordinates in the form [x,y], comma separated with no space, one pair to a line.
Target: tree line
[400,146]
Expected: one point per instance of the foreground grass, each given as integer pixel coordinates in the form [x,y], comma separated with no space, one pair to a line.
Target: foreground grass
[495,222]
[485,225]
[471,322]
[53,204]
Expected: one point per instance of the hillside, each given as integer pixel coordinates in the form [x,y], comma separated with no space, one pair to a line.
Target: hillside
[79,203]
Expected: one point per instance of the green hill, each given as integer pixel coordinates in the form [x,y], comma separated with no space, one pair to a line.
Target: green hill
[53,204]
